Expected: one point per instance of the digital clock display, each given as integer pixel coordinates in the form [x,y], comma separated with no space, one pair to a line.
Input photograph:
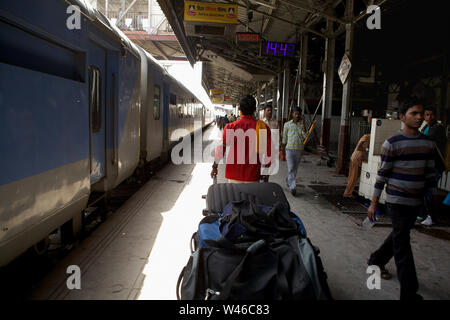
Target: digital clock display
[247,37]
[279,49]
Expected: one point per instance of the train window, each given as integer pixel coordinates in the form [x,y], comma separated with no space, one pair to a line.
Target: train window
[156,102]
[27,47]
[95,98]
[173,99]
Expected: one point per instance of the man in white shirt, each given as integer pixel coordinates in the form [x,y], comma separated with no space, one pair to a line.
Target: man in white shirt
[273,124]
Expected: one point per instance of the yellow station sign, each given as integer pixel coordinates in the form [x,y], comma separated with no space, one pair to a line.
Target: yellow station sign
[214,92]
[217,99]
[210,12]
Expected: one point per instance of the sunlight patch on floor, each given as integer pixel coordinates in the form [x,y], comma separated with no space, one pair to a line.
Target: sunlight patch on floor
[171,250]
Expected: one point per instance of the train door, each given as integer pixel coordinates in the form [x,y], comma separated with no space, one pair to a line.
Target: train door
[97,98]
[111,116]
[203,116]
[156,117]
[166,121]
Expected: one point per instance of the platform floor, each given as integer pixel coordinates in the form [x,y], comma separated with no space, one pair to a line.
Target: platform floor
[139,251]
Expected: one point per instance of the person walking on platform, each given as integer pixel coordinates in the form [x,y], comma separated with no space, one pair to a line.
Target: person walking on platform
[356,160]
[292,147]
[243,164]
[271,123]
[436,132]
[407,169]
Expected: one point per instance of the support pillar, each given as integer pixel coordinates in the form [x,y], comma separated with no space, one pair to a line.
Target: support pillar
[274,97]
[275,107]
[265,95]
[303,65]
[149,16]
[258,99]
[279,99]
[443,112]
[343,151]
[286,92]
[328,78]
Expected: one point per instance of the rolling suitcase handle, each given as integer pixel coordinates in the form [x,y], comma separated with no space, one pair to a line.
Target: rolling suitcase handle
[214,182]
[206,212]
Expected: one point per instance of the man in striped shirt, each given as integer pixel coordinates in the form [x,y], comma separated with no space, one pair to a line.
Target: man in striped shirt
[407,170]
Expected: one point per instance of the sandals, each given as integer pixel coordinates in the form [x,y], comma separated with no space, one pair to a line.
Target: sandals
[385,274]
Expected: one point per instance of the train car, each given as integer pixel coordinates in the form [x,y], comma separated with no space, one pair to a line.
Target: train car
[169,111]
[152,109]
[184,111]
[69,110]
[80,107]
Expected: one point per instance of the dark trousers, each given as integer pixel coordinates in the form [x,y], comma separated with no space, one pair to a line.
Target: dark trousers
[398,245]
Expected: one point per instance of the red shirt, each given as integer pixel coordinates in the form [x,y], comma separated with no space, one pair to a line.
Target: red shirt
[243,162]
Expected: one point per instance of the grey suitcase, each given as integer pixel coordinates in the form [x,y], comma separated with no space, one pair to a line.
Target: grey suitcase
[219,195]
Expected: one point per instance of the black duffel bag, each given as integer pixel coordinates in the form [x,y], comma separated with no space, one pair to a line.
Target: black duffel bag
[245,271]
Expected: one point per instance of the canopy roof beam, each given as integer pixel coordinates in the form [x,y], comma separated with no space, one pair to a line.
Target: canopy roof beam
[303,27]
[301,6]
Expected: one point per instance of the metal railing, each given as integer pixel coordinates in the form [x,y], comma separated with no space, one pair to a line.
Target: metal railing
[139,22]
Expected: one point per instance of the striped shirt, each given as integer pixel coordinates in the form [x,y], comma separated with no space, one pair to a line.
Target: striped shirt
[293,135]
[407,169]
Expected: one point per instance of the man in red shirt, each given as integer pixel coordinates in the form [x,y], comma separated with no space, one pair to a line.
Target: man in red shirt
[243,163]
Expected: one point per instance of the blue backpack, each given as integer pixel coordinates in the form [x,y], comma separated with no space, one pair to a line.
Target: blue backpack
[209,227]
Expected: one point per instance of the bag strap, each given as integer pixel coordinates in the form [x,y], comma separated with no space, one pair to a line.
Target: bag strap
[192,242]
[180,279]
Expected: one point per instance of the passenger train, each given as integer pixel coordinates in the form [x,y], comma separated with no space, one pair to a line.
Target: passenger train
[81,108]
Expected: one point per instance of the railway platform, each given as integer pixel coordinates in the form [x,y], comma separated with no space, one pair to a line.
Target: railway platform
[139,251]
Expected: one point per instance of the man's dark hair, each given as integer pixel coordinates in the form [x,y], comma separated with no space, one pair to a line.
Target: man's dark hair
[295,109]
[269,105]
[409,103]
[247,105]
[430,108]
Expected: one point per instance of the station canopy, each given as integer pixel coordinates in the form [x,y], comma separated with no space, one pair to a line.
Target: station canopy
[244,42]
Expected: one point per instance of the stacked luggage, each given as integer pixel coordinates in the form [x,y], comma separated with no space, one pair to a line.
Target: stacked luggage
[251,246]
